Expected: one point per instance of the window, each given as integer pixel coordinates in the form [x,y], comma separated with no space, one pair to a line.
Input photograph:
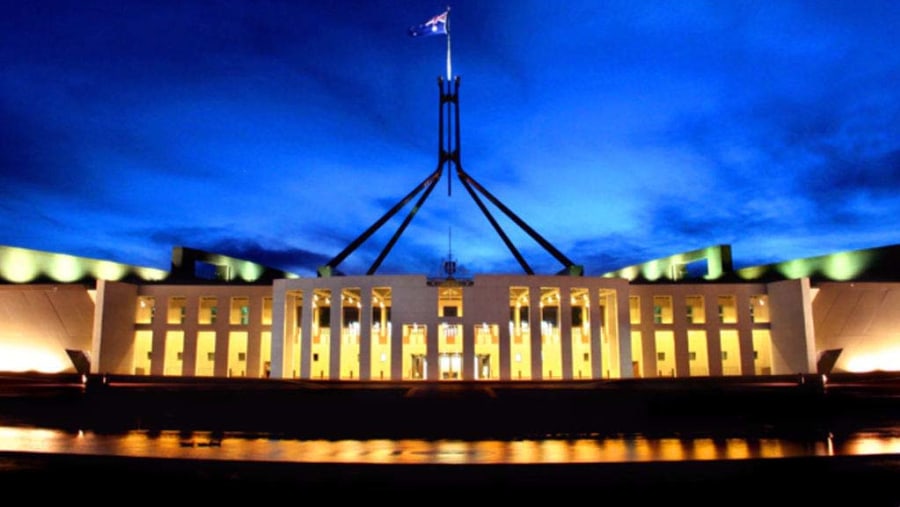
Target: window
[694,310]
[146,310]
[662,309]
[208,310]
[177,310]
[450,300]
[267,311]
[381,314]
[240,311]
[634,309]
[727,309]
[759,309]
[518,313]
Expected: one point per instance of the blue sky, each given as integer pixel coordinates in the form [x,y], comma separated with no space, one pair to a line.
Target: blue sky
[279,131]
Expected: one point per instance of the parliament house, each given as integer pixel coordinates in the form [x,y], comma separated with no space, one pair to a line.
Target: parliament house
[691,314]
[217,316]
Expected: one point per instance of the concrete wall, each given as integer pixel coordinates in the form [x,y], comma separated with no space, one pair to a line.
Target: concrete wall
[863,319]
[39,322]
[793,333]
[114,328]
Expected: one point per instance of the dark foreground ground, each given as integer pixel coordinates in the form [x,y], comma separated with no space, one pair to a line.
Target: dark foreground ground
[846,480]
[718,408]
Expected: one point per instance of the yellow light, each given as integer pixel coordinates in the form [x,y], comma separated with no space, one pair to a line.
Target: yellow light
[873,445]
[106,270]
[797,269]
[846,265]
[17,265]
[250,271]
[882,360]
[653,270]
[630,273]
[753,273]
[151,274]
[65,268]
[20,358]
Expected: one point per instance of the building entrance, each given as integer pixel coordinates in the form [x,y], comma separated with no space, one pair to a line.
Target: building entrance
[417,366]
[482,366]
[450,365]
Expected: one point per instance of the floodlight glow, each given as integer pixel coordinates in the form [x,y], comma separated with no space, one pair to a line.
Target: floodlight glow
[873,445]
[797,269]
[106,270]
[754,273]
[887,359]
[19,266]
[653,270]
[250,271]
[21,358]
[845,266]
[65,268]
[151,275]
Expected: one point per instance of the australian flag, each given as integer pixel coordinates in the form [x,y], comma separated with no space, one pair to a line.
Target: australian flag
[434,26]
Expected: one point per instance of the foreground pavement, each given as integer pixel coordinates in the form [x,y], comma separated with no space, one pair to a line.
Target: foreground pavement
[847,480]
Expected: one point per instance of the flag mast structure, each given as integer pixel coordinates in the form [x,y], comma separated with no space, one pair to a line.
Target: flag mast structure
[447,28]
[448,155]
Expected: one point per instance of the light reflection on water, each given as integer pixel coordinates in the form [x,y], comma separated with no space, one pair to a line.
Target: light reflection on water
[204,445]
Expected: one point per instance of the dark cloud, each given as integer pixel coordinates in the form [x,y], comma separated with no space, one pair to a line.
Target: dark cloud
[28,158]
[294,260]
[879,175]
[274,253]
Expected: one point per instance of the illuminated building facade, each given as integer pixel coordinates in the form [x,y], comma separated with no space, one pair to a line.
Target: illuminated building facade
[212,315]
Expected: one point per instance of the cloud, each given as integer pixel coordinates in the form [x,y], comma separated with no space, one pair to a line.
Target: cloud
[621,132]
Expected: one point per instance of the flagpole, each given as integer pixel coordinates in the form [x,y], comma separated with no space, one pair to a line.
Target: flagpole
[449,69]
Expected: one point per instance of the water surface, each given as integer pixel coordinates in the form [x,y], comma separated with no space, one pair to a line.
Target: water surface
[606,449]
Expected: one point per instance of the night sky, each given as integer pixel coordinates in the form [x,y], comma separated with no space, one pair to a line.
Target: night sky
[279,131]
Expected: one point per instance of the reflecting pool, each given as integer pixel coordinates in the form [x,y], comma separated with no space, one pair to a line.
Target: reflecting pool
[606,449]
